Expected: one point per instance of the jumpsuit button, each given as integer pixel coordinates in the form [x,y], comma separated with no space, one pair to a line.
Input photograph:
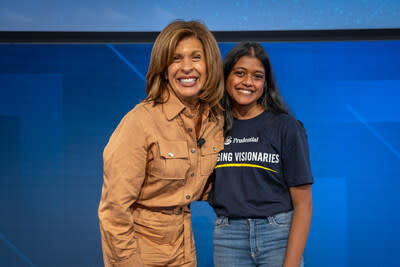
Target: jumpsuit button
[170,154]
[192,174]
[187,197]
[190,130]
[193,150]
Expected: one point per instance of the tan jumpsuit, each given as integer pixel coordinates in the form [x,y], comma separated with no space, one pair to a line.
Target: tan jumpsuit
[153,170]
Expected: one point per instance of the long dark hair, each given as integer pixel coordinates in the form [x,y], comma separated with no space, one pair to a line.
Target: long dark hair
[271,98]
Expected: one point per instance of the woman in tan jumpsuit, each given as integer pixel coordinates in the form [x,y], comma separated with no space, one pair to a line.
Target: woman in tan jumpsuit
[159,158]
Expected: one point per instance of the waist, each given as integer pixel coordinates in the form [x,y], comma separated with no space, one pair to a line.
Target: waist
[174,210]
[285,216]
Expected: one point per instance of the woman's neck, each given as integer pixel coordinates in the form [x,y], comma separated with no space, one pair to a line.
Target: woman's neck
[246,112]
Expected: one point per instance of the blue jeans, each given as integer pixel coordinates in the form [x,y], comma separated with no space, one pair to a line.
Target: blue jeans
[251,242]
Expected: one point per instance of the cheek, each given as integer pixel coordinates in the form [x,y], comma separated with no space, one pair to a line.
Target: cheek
[170,72]
[260,88]
[202,69]
[230,83]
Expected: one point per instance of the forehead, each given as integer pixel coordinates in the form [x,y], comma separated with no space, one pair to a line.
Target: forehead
[189,44]
[249,63]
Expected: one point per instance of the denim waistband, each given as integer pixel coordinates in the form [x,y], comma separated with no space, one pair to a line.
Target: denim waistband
[225,219]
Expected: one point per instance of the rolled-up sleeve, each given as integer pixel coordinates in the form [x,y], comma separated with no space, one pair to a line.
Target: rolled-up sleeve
[125,158]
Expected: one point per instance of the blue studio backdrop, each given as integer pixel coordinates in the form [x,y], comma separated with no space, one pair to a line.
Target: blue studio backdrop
[221,15]
[59,105]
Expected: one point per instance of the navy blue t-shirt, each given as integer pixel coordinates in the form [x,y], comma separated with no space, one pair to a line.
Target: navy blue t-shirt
[262,158]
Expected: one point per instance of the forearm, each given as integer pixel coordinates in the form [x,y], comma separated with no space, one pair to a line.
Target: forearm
[119,245]
[117,234]
[300,227]
[298,234]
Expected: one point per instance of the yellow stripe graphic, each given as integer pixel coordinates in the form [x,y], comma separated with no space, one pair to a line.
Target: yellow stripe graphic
[244,165]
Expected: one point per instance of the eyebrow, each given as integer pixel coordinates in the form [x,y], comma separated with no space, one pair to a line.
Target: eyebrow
[243,68]
[195,51]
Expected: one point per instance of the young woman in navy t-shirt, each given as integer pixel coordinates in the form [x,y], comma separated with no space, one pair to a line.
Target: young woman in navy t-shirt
[262,188]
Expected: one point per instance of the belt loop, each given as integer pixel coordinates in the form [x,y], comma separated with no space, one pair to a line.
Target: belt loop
[222,220]
[178,210]
[226,220]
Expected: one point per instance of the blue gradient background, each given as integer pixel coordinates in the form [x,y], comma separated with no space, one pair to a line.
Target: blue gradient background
[59,105]
[221,15]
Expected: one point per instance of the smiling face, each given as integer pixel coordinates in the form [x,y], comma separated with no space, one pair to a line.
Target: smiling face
[245,84]
[187,73]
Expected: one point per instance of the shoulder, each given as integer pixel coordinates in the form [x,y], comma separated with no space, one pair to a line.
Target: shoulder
[141,110]
[286,125]
[289,122]
[138,117]
[143,107]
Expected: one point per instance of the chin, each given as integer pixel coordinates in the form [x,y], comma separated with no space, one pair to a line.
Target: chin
[246,103]
[191,93]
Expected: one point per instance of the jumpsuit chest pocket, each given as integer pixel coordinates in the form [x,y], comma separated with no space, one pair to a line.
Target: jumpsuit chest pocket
[173,160]
[209,155]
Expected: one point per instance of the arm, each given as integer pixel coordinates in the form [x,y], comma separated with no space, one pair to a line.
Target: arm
[125,158]
[302,205]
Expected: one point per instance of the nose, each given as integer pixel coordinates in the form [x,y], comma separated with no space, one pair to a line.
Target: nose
[247,80]
[187,65]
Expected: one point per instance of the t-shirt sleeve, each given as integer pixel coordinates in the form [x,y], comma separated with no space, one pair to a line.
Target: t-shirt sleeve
[296,158]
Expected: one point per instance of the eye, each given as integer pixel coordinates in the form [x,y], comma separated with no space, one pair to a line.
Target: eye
[176,58]
[197,57]
[258,77]
[239,73]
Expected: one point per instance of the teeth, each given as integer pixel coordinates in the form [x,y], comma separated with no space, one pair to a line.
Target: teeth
[188,80]
[247,92]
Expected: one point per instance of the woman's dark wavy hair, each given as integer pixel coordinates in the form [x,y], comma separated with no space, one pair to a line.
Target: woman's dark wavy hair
[271,98]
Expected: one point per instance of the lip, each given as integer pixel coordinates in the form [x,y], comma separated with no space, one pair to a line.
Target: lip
[187,81]
[245,91]
[187,77]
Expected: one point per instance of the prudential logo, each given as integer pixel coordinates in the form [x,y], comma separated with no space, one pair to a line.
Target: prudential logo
[244,140]
[228,140]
